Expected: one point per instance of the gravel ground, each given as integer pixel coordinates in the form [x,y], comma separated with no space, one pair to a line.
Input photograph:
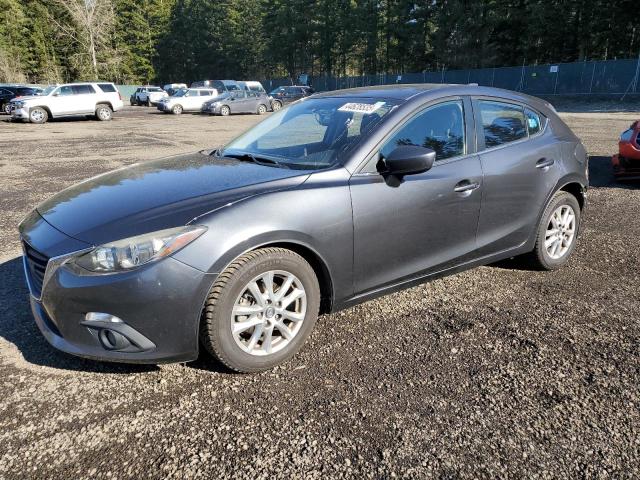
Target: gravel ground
[496,372]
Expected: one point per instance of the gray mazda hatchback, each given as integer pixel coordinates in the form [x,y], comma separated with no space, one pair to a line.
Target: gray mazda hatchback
[336,199]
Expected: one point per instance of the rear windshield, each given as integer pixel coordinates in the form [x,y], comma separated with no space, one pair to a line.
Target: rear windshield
[107,87]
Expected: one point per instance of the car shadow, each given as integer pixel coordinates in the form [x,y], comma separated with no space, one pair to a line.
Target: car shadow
[601,175]
[18,328]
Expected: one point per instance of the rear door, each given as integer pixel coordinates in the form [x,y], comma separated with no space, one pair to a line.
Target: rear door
[427,222]
[84,98]
[520,163]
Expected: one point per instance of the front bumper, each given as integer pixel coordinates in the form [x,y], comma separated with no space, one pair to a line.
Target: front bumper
[19,113]
[159,304]
[164,107]
[625,168]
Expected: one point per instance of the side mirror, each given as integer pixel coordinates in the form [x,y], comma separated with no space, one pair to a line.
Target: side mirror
[408,160]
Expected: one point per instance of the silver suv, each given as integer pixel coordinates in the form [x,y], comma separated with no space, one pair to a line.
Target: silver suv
[72,99]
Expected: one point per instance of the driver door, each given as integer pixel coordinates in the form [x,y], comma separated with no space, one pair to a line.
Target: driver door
[63,101]
[425,222]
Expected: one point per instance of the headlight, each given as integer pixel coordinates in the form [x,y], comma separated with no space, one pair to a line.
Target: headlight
[136,251]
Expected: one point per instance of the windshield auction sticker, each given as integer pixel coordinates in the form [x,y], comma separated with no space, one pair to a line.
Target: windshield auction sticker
[364,108]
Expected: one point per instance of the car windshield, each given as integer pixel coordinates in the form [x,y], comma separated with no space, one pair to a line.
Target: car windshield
[48,90]
[312,134]
[180,93]
[277,90]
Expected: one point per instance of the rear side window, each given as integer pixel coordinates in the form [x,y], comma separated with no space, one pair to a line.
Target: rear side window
[107,87]
[440,128]
[82,89]
[502,123]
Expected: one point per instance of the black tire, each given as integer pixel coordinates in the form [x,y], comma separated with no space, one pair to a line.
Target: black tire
[262,109]
[215,327]
[539,257]
[104,112]
[225,110]
[148,102]
[38,115]
[276,105]
[177,110]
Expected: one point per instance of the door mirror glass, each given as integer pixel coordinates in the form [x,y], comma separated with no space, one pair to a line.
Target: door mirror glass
[408,160]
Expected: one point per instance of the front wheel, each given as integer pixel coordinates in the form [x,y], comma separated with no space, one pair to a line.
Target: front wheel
[225,111]
[177,110]
[277,105]
[103,113]
[260,310]
[7,108]
[38,115]
[557,232]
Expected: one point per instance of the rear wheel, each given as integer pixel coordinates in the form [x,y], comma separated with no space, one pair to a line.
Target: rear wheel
[262,109]
[38,115]
[225,110]
[557,232]
[103,113]
[260,310]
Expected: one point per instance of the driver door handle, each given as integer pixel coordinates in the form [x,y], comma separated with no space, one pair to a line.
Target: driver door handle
[465,186]
[545,163]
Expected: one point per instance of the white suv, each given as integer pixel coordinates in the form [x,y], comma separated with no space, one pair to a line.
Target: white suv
[148,96]
[187,100]
[90,98]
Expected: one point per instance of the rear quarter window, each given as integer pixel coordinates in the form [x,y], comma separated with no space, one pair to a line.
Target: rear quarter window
[107,87]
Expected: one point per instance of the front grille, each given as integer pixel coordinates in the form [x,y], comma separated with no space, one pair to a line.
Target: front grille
[36,266]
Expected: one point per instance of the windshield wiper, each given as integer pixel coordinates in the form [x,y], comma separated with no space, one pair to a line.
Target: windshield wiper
[246,156]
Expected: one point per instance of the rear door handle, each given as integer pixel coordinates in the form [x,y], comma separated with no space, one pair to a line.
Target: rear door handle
[545,163]
[465,186]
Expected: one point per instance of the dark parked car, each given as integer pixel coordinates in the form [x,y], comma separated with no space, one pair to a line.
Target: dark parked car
[9,92]
[285,95]
[238,101]
[334,200]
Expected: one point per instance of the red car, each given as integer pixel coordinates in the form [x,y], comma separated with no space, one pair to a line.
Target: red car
[626,164]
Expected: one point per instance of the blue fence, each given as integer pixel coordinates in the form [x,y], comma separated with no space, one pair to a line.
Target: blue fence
[607,77]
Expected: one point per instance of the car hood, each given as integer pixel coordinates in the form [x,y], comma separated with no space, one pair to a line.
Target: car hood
[159,194]
[25,98]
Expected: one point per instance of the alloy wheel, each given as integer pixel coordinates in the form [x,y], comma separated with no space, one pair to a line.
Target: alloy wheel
[269,313]
[561,232]
[37,116]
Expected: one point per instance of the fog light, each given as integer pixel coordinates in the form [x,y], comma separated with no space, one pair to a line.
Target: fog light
[101,317]
[112,340]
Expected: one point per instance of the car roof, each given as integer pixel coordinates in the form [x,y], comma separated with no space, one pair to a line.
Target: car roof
[406,92]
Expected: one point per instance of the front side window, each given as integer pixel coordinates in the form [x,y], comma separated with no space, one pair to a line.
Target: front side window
[65,90]
[440,128]
[313,134]
[501,123]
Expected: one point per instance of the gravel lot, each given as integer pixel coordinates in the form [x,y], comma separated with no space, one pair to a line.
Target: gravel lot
[496,372]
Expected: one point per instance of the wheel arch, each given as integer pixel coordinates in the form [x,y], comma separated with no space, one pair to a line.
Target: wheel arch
[577,190]
[299,246]
[44,107]
[104,102]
